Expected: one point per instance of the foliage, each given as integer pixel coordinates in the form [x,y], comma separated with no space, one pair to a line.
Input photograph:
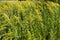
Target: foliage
[29,21]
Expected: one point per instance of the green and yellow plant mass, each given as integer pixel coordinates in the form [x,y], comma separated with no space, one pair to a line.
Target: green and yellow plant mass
[29,20]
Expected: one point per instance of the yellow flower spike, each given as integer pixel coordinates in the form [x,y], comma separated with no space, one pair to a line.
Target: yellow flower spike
[37,12]
[39,17]
[53,4]
[2,28]
[28,3]
[6,16]
[49,8]
[30,18]
[33,4]
[5,7]
[9,33]
[17,19]
[20,7]
[29,35]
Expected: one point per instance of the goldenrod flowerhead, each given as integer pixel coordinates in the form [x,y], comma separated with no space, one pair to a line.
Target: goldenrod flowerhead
[28,3]
[20,7]
[33,5]
[5,7]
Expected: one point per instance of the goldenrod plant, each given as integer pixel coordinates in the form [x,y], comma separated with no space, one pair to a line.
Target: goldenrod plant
[29,20]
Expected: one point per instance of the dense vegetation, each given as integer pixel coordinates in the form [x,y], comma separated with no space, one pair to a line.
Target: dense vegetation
[57,1]
[29,20]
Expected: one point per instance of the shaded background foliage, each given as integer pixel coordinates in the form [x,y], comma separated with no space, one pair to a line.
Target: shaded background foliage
[57,1]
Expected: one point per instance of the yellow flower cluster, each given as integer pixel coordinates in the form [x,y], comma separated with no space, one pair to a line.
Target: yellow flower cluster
[53,4]
[28,3]
[17,19]
[33,4]
[37,12]
[19,6]
[5,7]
